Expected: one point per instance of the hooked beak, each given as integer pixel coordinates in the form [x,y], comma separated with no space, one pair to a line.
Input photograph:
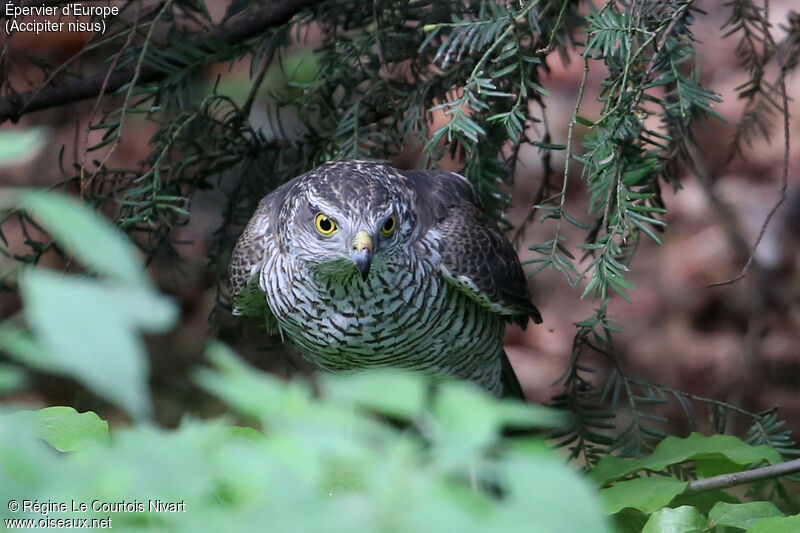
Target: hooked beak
[362,253]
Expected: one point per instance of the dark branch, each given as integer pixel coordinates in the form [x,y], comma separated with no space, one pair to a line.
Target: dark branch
[274,14]
[739,478]
[784,68]
[784,185]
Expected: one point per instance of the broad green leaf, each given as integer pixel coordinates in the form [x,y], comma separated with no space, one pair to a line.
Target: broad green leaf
[292,478]
[545,496]
[392,393]
[629,521]
[683,519]
[251,393]
[275,403]
[674,450]
[716,466]
[19,145]
[466,419]
[22,346]
[246,432]
[517,414]
[11,378]
[646,494]
[784,524]
[90,330]
[742,515]
[704,501]
[84,233]
[26,462]
[66,429]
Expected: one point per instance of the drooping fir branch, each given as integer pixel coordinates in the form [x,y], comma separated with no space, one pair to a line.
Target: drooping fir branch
[487,111]
[647,48]
[641,46]
[763,98]
[276,13]
[755,50]
[553,206]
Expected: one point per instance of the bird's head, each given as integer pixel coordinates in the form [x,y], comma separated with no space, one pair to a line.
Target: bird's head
[351,219]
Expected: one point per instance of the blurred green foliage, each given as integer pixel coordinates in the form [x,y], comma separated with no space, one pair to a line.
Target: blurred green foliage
[384,451]
[18,146]
[366,452]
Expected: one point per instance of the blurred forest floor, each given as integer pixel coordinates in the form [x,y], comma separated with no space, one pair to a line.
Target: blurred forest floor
[739,343]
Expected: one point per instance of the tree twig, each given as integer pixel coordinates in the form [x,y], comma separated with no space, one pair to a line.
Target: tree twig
[724,481]
[781,195]
[784,171]
[273,14]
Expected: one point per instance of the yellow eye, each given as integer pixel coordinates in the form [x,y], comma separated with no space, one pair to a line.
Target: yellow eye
[325,225]
[389,226]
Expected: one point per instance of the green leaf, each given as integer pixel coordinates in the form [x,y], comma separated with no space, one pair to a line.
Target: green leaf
[11,378]
[90,330]
[85,234]
[22,346]
[575,222]
[469,414]
[683,519]
[534,499]
[674,450]
[647,494]
[19,145]
[785,524]
[704,501]
[66,429]
[629,521]
[466,418]
[392,393]
[742,515]
[246,432]
[716,466]
[549,146]
[635,175]
[249,392]
[289,408]
[518,414]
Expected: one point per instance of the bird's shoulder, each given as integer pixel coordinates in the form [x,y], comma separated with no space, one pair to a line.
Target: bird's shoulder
[438,191]
[475,255]
[258,239]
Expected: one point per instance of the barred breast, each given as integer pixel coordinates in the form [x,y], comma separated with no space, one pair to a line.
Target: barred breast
[404,315]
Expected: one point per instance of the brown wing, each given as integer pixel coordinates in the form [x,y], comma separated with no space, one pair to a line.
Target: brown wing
[476,256]
[258,240]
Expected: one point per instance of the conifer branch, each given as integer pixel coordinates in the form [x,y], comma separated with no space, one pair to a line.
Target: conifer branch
[274,14]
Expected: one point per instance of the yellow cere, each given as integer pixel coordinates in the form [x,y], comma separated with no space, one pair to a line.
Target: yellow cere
[362,241]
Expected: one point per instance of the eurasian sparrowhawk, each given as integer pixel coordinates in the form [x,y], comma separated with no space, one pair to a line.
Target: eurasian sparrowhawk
[361,265]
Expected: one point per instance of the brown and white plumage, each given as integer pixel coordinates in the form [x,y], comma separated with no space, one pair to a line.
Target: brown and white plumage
[433,294]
